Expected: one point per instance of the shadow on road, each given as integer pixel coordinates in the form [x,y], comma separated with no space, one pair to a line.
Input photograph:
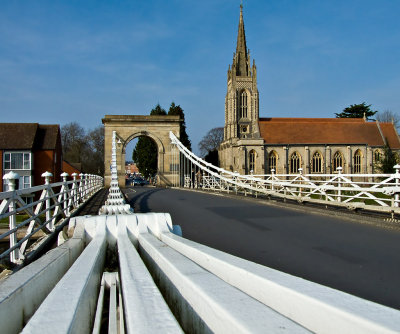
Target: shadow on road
[139,201]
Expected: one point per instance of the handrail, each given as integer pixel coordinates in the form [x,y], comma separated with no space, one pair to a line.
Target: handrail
[379,192]
[48,206]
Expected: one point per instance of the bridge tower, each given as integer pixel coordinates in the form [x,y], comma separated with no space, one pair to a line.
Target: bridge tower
[129,127]
[241,132]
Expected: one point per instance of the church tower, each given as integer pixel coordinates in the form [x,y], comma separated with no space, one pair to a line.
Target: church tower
[242,149]
[241,101]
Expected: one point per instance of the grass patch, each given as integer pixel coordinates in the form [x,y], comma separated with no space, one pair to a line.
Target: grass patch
[4,222]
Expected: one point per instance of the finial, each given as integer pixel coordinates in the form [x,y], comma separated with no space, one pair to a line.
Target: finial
[241,4]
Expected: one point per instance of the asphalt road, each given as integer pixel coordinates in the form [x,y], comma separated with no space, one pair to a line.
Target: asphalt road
[360,259]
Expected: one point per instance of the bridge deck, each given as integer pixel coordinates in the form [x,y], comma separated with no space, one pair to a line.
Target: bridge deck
[357,258]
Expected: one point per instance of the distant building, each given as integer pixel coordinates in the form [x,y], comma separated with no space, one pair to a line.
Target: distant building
[71,168]
[30,149]
[131,169]
[317,145]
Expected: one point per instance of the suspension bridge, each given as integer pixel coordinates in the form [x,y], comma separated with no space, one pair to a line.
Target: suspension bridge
[129,268]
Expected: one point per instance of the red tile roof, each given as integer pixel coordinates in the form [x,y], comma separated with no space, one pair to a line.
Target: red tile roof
[327,131]
[390,134]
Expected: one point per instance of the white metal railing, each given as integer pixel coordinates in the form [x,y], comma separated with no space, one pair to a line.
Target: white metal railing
[48,205]
[378,192]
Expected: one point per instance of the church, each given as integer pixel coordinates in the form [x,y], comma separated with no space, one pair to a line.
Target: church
[284,145]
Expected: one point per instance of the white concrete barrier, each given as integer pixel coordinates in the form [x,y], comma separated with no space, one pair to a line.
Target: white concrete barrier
[70,306]
[316,307]
[207,290]
[22,293]
[145,309]
[203,301]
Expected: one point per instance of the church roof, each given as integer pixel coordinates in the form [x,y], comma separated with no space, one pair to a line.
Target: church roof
[327,131]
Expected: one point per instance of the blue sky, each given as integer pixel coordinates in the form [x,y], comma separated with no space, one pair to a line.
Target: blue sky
[63,61]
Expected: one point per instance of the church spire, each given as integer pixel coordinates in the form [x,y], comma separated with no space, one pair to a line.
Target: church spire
[241,56]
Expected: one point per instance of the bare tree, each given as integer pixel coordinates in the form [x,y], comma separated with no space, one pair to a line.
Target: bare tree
[389,116]
[84,147]
[211,141]
[73,141]
[95,141]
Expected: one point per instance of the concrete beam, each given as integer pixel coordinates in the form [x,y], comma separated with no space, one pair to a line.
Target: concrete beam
[23,292]
[204,303]
[316,307]
[71,304]
[145,309]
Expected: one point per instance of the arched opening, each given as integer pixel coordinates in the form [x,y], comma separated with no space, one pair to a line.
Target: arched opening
[316,163]
[337,161]
[141,161]
[243,104]
[295,163]
[272,159]
[252,161]
[378,156]
[357,162]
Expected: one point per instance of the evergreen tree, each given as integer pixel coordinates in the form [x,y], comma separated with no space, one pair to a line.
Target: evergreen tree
[145,156]
[357,111]
[157,110]
[387,161]
[183,136]
[146,152]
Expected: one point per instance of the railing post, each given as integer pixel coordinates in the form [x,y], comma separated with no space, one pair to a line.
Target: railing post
[47,176]
[339,197]
[74,190]
[272,179]
[81,187]
[65,193]
[11,177]
[301,182]
[235,179]
[396,194]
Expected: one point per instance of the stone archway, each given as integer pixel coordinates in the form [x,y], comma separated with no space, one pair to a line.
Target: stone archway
[129,127]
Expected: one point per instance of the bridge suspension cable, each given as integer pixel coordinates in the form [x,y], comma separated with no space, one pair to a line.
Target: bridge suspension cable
[376,192]
[193,171]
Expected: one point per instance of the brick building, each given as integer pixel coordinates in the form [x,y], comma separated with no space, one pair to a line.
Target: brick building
[30,149]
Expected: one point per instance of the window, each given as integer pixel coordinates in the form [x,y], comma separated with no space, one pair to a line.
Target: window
[295,162]
[377,156]
[272,157]
[243,104]
[17,160]
[337,161]
[25,182]
[357,162]
[252,159]
[316,163]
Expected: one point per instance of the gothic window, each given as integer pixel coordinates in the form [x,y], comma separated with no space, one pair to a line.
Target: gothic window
[316,163]
[295,162]
[377,155]
[243,104]
[252,161]
[357,162]
[272,157]
[337,161]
